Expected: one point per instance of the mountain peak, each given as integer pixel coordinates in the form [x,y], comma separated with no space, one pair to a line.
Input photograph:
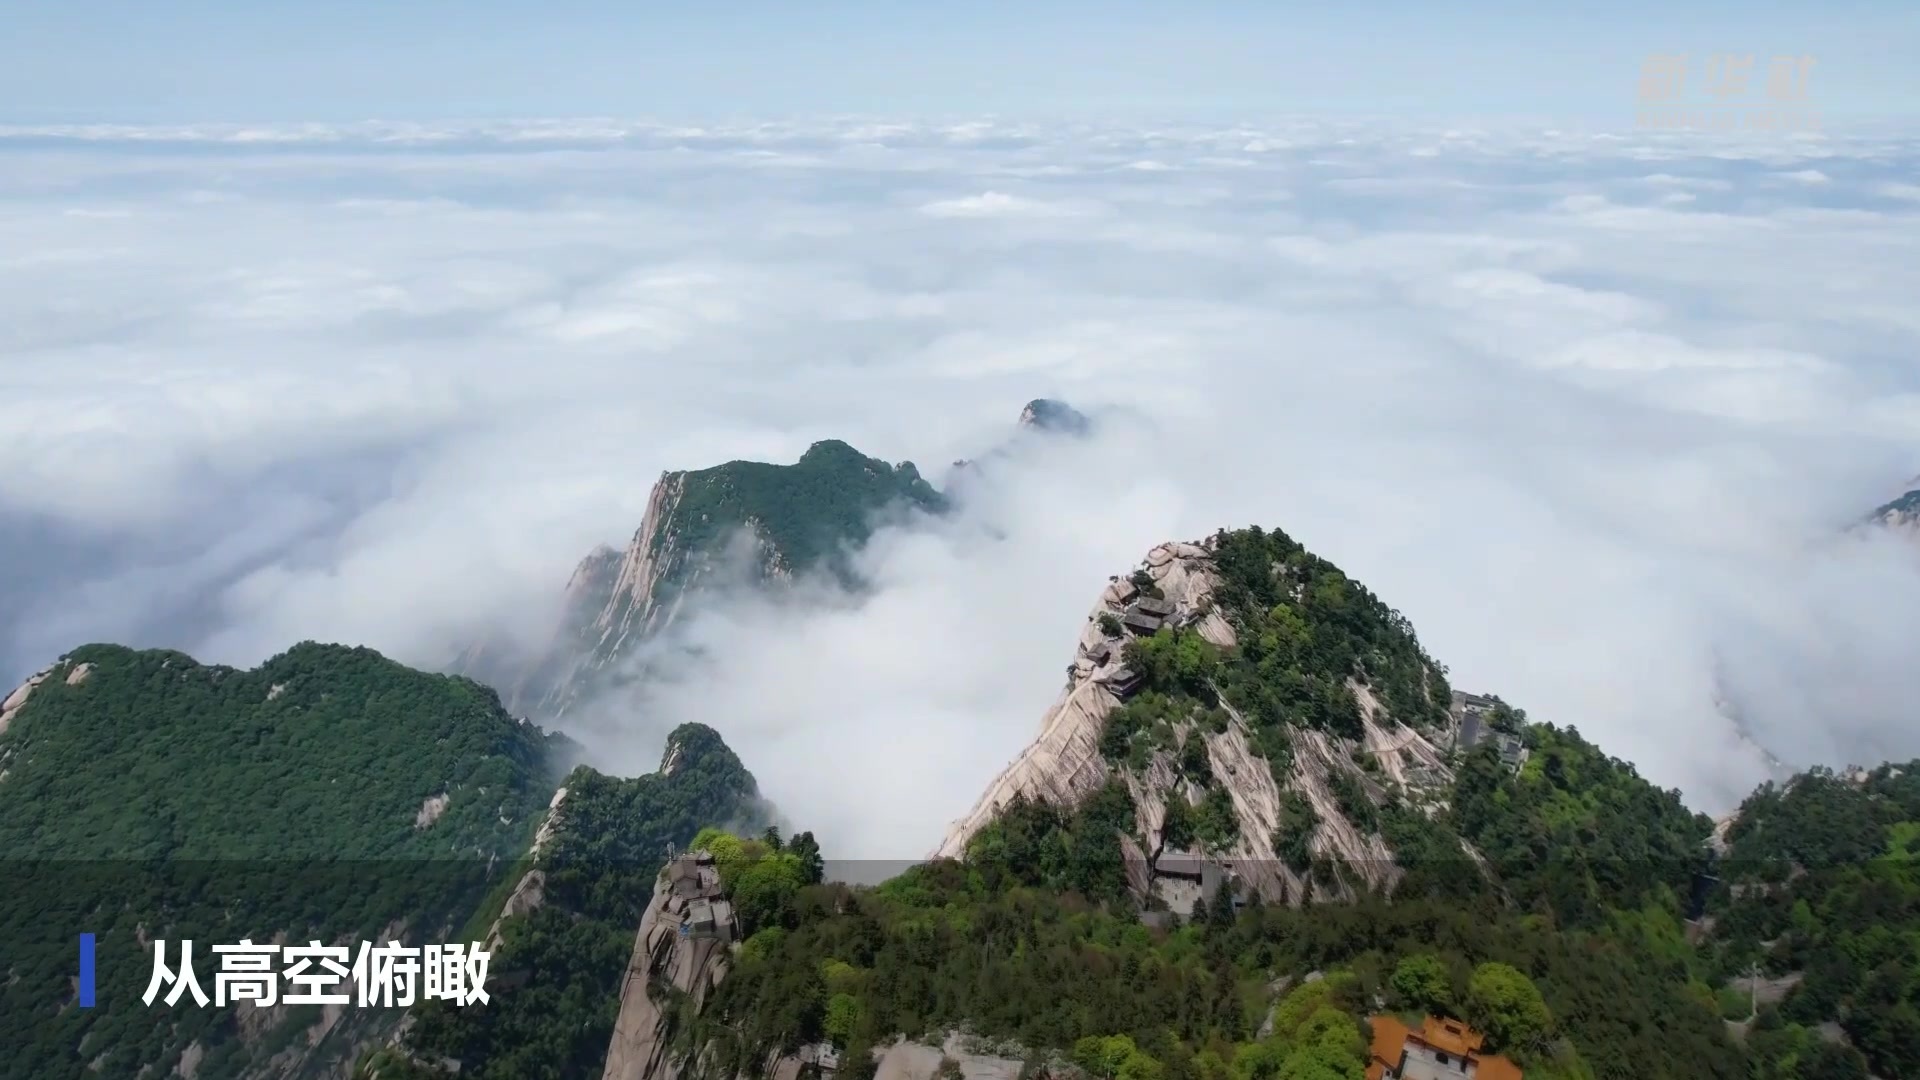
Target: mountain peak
[1258,708]
[693,743]
[1049,414]
[793,518]
[831,450]
[1900,512]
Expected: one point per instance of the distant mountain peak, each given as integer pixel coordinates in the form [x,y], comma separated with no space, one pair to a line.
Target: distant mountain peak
[831,450]
[1041,416]
[1049,414]
[1901,512]
[792,518]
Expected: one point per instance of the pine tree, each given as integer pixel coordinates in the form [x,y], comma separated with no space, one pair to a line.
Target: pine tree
[807,849]
[1220,911]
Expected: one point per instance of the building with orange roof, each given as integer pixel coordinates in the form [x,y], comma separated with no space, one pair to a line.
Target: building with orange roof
[1442,1049]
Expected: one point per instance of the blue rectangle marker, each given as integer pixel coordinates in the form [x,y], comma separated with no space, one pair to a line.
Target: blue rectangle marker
[86,971]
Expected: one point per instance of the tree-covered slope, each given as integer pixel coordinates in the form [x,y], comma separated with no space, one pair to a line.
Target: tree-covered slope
[329,793]
[1821,900]
[562,962]
[321,752]
[1577,833]
[1306,630]
[994,945]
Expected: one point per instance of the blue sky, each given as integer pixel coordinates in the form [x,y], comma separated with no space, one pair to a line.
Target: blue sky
[255,60]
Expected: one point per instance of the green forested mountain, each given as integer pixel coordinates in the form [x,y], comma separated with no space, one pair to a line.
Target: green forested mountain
[149,796]
[328,794]
[322,751]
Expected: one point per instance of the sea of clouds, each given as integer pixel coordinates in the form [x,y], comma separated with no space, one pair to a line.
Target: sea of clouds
[1593,410]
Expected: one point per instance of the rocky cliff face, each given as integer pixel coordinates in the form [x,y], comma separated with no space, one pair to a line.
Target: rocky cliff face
[679,954]
[743,522]
[1065,764]
[614,599]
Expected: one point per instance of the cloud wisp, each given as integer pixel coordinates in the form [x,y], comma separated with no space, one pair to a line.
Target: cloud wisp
[387,386]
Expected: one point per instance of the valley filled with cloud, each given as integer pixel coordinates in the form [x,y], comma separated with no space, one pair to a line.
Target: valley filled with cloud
[1594,410]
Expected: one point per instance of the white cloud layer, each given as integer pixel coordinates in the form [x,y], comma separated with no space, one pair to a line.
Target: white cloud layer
[386,384]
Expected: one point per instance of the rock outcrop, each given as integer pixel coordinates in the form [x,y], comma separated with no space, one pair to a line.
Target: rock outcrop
[614,598]
[1064,764]
[681,949]
[11,705]
[431,809]
[530,891]
[16,701]
[908,1060]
